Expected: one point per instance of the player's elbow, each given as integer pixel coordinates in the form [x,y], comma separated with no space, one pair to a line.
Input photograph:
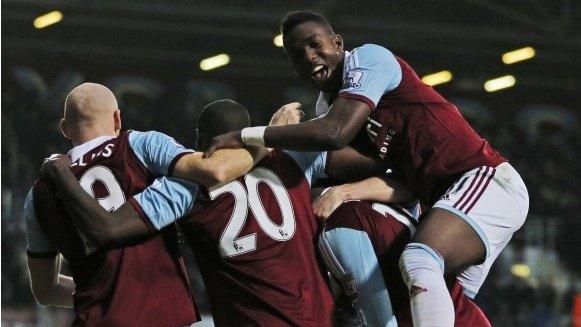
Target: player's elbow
[215,176]
[336,138]
[219,176]
[334,135]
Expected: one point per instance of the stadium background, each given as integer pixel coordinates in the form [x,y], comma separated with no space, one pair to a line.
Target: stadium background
[149,53]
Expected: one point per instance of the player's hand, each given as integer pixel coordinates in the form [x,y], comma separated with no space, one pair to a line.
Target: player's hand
[231,140]
[53,165]
[328,202]
[287,115]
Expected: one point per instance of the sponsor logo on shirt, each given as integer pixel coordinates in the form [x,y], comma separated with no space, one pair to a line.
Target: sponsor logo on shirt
[373,129]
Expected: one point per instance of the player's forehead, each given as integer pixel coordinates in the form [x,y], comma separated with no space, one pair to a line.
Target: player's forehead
[305,32]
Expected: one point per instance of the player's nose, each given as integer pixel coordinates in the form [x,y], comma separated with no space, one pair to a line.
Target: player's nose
[311,54]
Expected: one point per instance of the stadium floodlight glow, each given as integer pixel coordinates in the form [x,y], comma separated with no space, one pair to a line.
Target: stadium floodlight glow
[520,270]
[518,55]
[215,62]
[278,41]
[499,83]
[437,78]
[48,19]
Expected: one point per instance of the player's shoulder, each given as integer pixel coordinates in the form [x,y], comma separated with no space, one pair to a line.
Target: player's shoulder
[145,135]
[141,138]
[371,52]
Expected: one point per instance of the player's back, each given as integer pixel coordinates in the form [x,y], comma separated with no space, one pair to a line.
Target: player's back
[389,230]
[255,242]
[143,284]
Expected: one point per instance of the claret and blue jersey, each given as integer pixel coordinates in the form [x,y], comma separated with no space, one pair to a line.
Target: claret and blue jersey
[412,125]
[254,240]
[112,284]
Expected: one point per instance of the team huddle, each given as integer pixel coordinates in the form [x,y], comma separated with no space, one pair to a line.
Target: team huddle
[420,207]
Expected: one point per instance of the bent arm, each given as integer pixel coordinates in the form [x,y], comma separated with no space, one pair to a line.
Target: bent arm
[331,132]
[374,189]
[382,189]
[48,285]
[101,227]
[349,165]
[221,167]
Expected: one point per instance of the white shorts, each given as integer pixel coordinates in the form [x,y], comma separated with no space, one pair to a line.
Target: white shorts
[495,202]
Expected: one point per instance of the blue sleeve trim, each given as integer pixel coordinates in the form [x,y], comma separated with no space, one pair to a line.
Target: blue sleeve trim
[312,163]
[371,71]
[155,150]
[167,200]
[470,221]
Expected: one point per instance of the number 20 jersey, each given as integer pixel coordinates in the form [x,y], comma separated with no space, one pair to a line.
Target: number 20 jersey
[255,242]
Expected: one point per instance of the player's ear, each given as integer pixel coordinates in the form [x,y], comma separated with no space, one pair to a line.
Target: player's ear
[64,129]
[117,120]
[338,40]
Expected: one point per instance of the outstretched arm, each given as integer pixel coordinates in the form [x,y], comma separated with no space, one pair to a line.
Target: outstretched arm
[373,72]
[101,227]
[221,167]
[331,132]
[350,165]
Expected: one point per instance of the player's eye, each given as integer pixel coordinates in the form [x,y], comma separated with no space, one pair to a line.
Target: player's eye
[315,44]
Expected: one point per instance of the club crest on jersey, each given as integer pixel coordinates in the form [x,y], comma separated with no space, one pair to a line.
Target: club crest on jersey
[352,79]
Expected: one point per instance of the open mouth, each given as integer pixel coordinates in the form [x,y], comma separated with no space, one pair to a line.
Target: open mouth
[320,72]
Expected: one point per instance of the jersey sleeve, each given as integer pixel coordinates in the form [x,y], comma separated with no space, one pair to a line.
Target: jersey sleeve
[157,151]
[166,200]
[38,245]
[312,163]
[370,72]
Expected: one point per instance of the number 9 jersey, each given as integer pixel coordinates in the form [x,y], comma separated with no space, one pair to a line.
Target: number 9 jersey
[255,242]
[143,284]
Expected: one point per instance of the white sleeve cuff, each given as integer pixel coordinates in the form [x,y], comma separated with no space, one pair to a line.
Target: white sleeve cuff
[253,135]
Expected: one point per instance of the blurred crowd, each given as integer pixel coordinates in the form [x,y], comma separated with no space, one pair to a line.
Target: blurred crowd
[541,141]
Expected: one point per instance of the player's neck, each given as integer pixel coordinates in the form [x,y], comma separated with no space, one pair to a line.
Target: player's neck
[91,135]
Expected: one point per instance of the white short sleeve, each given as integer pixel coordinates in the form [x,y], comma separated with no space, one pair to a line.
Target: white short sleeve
[156,151]
[370,72]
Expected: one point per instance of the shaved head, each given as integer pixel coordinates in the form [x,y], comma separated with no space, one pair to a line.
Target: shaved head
[220,117]
[88,102]
[90,111]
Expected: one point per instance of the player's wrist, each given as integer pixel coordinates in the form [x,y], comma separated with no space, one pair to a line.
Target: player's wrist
[344,192]
[253,135]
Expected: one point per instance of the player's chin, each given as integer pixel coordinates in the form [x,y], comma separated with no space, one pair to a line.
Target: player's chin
[319,83]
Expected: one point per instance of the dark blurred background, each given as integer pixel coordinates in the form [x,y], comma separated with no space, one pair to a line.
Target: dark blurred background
[149,52]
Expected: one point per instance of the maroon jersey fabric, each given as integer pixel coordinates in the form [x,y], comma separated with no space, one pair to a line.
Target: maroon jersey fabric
[425,136]
[139,285]
[256,248]
[389,237]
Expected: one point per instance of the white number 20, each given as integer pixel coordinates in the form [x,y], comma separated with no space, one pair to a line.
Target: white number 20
[232,245]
